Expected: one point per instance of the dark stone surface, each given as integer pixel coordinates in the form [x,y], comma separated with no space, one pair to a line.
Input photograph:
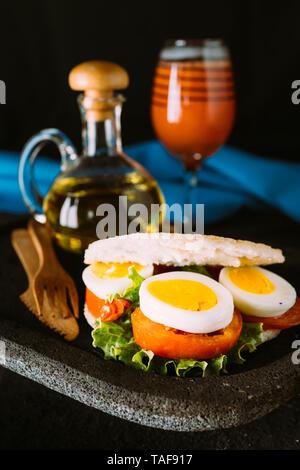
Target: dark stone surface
[34,417]
[171,403]
[281,433]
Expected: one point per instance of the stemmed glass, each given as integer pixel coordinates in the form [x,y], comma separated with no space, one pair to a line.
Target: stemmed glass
[193,102]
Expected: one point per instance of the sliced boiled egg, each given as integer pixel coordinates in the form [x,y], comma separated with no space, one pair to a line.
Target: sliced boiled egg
[187,301]
[257,291]
[107,279]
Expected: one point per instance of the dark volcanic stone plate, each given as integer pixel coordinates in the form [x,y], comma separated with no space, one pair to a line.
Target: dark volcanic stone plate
[267,379]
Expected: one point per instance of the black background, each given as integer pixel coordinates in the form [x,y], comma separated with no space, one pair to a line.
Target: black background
[42,40]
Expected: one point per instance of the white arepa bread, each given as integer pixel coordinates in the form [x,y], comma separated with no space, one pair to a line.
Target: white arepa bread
[180,250]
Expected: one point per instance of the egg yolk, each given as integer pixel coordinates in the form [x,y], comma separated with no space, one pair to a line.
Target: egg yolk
[183,293]
[251,280]
[113,270]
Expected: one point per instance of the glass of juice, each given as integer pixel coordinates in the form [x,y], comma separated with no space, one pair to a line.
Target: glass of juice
[193,101]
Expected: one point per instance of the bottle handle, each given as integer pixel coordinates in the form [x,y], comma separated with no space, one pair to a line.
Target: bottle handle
[31,196]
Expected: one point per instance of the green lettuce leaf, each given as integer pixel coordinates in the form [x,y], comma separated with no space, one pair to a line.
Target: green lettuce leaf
[248,341]
[116,341]
[114,338]
[132,293]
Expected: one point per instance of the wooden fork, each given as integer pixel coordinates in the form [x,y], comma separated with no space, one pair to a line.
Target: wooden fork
[27,254]
[52,286]
[23,245]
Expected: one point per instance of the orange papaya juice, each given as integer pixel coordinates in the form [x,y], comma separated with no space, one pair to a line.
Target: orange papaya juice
[193,107]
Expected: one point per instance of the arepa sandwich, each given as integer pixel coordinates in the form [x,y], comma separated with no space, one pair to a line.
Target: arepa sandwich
[184,304]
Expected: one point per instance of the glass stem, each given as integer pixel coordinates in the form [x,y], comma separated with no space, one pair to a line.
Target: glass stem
[191,182]
[191,185]
[191,188]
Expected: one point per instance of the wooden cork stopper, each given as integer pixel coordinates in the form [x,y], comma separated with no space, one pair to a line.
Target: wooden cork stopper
[98,80]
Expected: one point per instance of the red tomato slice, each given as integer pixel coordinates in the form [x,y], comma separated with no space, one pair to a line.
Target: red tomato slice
[106,311]
[287,320]
[168,342]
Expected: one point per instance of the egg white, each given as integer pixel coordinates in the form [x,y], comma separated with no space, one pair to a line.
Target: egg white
[205,321]
[105,288]
[261,305]
[89,317]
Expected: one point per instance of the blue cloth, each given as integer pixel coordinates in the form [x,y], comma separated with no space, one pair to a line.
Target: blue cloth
[227,181]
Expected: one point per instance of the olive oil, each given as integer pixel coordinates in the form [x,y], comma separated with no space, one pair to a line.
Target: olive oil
[72,202]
